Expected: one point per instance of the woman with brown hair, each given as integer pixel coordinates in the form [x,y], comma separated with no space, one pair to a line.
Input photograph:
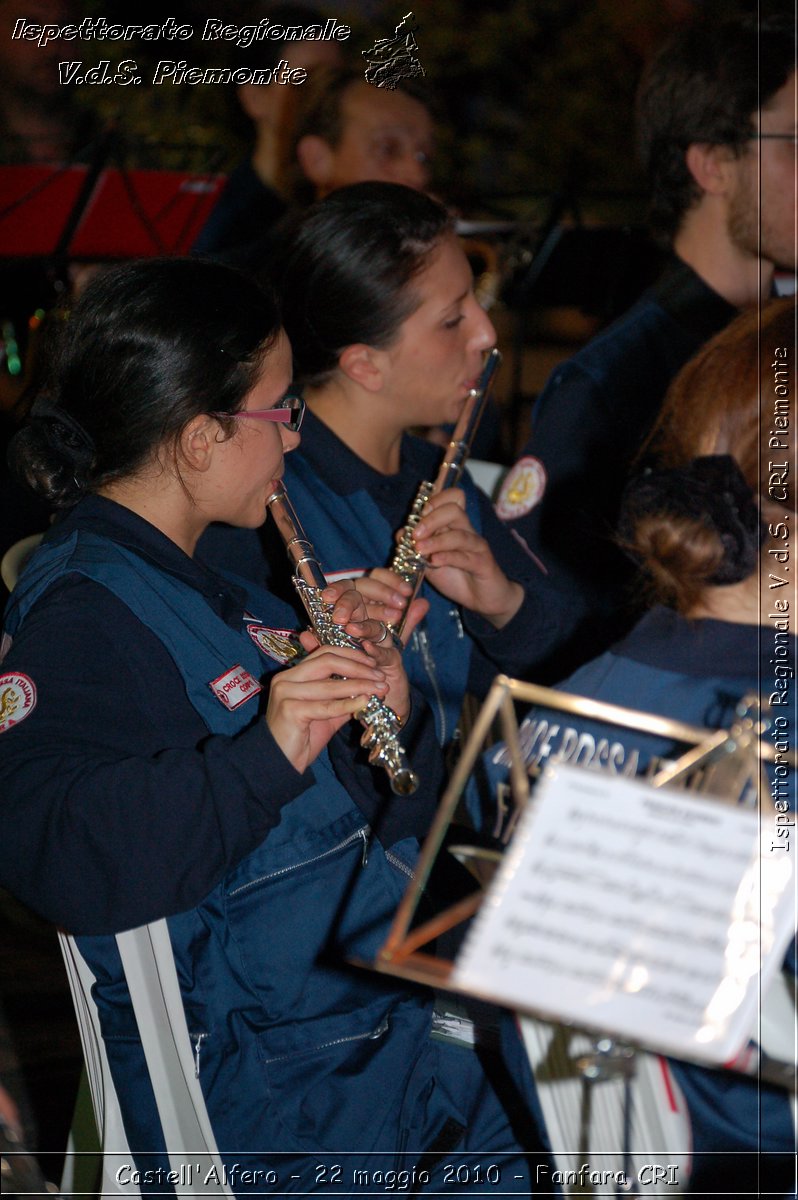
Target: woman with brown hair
[711,526]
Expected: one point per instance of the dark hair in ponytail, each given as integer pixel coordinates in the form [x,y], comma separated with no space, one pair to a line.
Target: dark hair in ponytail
[347,271]
[147,347]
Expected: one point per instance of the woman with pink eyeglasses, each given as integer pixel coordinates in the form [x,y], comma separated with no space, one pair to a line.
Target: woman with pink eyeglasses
[170,747]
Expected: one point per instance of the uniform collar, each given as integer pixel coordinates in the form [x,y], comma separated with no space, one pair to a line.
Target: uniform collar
[320,447]
[691,302]
[106,518]
[704,648]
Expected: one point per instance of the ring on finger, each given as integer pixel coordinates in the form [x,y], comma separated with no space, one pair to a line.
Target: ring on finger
[383,635]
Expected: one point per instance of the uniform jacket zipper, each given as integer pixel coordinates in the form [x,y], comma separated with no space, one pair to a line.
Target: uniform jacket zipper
[359,835]
[422,641]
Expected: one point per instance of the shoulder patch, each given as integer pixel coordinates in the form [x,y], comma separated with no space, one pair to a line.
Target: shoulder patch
[283,645]
[522,489]
[17,699]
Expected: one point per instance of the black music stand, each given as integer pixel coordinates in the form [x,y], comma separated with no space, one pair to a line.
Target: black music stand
[599,270]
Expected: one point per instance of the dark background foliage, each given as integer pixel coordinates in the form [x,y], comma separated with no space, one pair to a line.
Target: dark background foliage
[536,96]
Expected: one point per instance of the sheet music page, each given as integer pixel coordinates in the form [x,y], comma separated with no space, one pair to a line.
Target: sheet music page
[645,912]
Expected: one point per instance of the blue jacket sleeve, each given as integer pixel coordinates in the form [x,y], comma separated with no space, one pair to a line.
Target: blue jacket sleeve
[528,638]
[585,460]
[585,436]
[118,807]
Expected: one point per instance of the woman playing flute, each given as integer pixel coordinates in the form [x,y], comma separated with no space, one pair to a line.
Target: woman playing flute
[171,748]
[388,336]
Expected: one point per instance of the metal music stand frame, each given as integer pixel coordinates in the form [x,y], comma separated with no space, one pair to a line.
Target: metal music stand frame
[402,953]
[738,750]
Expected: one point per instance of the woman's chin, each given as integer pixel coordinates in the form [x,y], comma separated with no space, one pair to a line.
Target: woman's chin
[250,520]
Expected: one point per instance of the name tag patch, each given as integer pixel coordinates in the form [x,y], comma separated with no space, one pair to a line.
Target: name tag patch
[283,645]
[17,699]
[235,687]
[349,573]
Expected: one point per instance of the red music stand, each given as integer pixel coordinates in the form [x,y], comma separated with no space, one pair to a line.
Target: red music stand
[120,213]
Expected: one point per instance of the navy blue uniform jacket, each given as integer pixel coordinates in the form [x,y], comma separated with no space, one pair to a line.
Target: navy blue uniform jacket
[588,425]
[350,513]
[132,791]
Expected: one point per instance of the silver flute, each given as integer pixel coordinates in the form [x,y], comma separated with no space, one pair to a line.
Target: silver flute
[407,562]
[380,722]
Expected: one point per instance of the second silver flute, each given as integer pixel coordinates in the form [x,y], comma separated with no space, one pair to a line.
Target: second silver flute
[407,562]
[381,724]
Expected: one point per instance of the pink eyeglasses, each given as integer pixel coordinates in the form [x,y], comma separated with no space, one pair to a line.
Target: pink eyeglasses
[289,411]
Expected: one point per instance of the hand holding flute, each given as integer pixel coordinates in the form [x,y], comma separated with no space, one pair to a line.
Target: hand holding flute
[439,537]
[311,701]
[460,562]
[380,720]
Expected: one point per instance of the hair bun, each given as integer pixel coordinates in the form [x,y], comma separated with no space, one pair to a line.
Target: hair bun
[63,434]
[710,490]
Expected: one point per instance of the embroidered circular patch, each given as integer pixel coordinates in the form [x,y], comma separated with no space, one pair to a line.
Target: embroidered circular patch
[522,489]
[283,645]
[17,699]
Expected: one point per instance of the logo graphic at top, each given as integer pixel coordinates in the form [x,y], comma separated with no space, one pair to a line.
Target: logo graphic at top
[392,59]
